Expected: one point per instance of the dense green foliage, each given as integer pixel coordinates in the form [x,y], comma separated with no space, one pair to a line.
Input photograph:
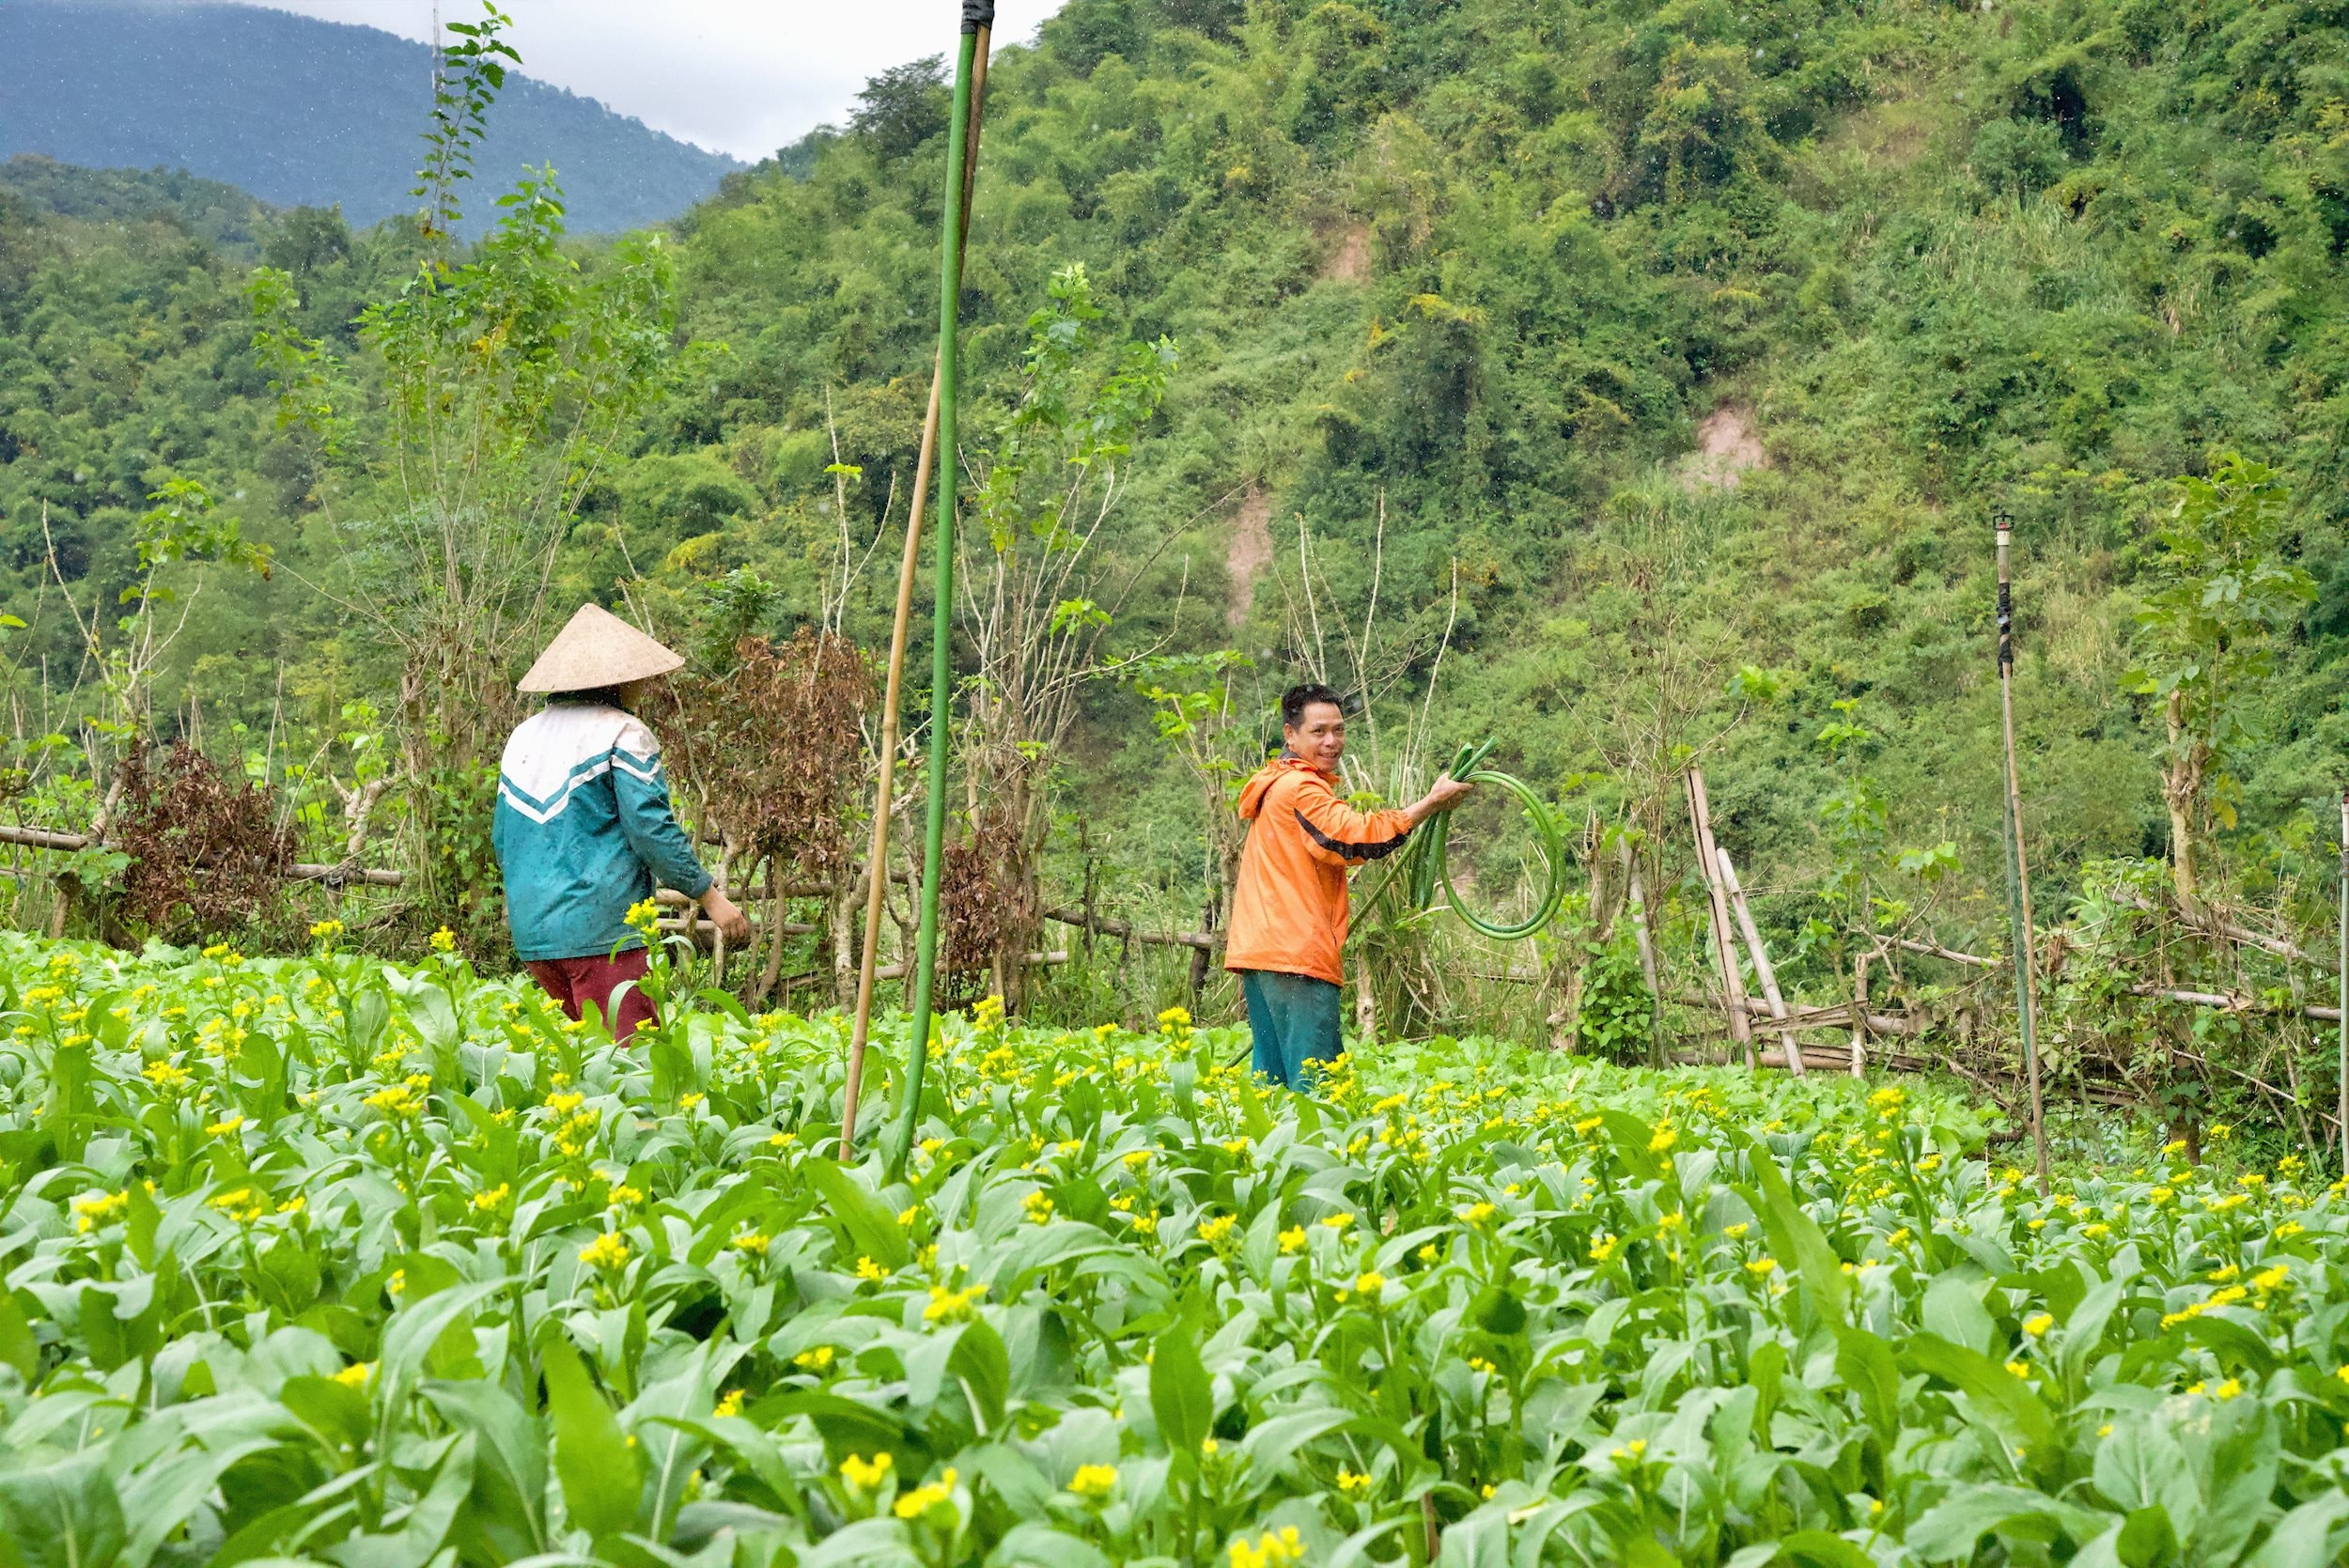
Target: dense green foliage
[1491,263]
[1452,293]
[303,111]
[320,1259]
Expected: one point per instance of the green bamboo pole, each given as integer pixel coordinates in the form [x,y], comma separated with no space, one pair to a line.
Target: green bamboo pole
[909,570]
[2017,869]
[977,15]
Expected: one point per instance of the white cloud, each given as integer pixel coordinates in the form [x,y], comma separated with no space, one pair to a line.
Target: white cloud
[741,76]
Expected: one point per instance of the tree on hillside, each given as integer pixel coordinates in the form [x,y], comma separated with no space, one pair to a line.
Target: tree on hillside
[1030,603]
[2224,590]
[903,107]
[494,392]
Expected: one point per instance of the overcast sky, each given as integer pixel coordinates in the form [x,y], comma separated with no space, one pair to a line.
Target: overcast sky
[739,76]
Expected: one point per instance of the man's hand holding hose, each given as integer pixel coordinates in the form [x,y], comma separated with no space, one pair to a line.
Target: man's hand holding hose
[1446,793]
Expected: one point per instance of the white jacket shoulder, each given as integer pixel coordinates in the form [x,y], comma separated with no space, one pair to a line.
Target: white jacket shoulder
[570,732]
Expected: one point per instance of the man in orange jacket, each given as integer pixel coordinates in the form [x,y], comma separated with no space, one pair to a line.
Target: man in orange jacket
[1288,912]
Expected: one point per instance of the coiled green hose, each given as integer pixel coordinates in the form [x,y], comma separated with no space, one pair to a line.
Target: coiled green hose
[1429,870]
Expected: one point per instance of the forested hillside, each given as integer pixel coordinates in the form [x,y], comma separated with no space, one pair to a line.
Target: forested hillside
[1627,382]
[1494,270]
[297,110]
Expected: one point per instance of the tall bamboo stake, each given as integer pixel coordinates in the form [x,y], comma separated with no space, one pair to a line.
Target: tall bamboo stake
[909,569]
[1762,971]
[978,17]
[1725,935]
[2343,1066]
[2018,868]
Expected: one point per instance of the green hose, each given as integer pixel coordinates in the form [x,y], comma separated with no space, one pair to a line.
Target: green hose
[1422,868]
[1429,868]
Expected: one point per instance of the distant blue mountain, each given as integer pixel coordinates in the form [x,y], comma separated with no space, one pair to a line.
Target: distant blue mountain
[299,111]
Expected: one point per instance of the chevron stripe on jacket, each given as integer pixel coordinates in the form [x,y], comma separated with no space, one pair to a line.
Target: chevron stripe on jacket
[583,829]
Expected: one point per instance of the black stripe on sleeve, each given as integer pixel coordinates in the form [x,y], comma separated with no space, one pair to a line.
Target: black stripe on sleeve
[1377,852]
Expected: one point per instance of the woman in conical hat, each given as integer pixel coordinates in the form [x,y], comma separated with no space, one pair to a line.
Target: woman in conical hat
[584,828]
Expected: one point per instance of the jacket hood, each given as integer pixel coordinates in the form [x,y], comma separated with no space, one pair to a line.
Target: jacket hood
[1251,794]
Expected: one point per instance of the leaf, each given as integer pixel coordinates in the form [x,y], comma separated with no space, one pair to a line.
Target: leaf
[1951,1528]
[983,1367]
[1014,1477]
[2311,1536]
[2146,1537]
[2004,1400]
[1818,1272]
[424,1526]
[697,1522]
[2141,1465]
[62,1516]
[1274,1444]
[1181,1398]
[2084,1331]
[1825,1549]
[1953,1310]
[602,1482]
[17,1348]
[2234,1341]
[171,1491]
[1865,1364]
[847,1426]
[409,1337]
[1033,1544]
[335,1412]
[509,1461]
[872,1230]
[1632,1138]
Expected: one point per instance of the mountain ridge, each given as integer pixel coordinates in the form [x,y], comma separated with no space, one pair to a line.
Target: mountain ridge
[300,111]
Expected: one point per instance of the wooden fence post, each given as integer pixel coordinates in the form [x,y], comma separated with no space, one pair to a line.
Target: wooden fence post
[1724,935]
[1761,971]
[1860,1016]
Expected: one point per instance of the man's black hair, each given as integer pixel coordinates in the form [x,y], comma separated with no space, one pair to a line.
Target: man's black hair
[1298,698]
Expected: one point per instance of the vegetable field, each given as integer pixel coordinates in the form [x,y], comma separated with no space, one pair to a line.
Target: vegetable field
[324,1260]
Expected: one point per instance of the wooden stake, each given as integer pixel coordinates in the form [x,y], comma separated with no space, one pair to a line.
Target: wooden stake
[1762,970]
[1724,938]
[909,572]
[2344,985]
[2018,869]
[1860,1016]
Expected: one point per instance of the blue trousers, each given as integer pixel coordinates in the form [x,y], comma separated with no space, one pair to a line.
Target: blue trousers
[1295,1019]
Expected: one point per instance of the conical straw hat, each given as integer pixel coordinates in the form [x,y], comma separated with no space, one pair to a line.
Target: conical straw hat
[597,648]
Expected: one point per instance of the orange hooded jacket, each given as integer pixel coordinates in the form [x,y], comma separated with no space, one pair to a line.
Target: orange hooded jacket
[1288,912]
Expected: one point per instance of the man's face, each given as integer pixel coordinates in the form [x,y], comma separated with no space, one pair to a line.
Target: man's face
[1319,736]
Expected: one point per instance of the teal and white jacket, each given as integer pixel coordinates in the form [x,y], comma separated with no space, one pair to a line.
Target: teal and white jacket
[584,828]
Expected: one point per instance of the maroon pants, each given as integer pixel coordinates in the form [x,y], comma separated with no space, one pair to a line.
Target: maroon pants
[575,982]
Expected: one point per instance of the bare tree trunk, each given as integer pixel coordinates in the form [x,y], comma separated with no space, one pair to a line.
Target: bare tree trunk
[1570,966]
[846,900]
[1644,928]
[2184,1125]
[718,946]
[1199,955]
[773,971]
[2182,781]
